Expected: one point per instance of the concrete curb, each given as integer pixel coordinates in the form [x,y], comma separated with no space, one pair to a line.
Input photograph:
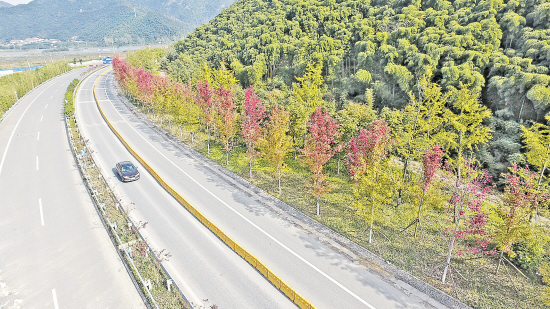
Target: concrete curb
[300,218]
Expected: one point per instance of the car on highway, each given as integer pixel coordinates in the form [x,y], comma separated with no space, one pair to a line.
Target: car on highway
[127,171]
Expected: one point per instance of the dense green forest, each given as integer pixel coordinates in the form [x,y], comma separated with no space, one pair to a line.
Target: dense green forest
[380,50]
[118,22]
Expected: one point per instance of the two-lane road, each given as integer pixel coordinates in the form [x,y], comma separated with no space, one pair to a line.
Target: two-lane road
[54,250]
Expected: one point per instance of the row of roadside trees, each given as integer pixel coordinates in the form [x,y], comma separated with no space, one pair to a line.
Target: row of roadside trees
[381,150]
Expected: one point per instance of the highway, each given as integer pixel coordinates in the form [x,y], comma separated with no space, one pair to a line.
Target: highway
[206,270]
[54,250]
[202,265]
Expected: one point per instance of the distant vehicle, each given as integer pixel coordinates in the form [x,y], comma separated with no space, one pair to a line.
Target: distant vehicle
[107,60]
[127,171]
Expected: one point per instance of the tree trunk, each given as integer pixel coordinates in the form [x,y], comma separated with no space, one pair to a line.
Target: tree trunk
[250,168]
[499,261]
[338,171]
[543,167]
[450,252]
[227,158]
[318,207]
[521,109]
[371,219]
[208,140]
[280,192]
[418,216]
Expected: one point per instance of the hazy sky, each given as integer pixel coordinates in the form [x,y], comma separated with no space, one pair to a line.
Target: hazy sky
[15,2]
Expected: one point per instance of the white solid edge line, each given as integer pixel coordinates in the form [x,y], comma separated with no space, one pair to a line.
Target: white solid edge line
[16,125]
[54,295]
[41,212]
[174,272]
[247,220]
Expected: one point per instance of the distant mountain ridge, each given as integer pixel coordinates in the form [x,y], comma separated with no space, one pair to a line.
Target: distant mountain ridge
[5,4]
[124,21]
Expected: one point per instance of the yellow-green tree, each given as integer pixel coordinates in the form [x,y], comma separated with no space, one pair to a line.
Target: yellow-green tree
[308,96]
[464,125]
[537,141]
[275,146]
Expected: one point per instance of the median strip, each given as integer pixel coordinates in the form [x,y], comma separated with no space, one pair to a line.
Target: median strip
[275,280]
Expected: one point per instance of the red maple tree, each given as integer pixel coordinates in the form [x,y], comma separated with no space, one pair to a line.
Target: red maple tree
[320,145]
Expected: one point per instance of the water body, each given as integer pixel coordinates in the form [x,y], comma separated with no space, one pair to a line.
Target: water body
[15,70]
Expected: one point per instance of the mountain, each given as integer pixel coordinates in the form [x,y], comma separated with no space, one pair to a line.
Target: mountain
[5,4]
[140,21]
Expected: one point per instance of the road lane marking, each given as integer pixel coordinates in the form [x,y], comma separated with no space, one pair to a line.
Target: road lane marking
[41,117]
[54,295]
[184,285]
[16,125]
[51,97]
[46,106]
[38,136]
[357,297]
[41,212]
[37,163]
[56,89]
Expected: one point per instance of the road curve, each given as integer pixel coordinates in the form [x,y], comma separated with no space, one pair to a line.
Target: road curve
[54,250]
[316,269]
[206,270]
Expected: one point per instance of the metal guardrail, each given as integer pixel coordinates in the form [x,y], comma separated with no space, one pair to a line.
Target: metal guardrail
[112,227]
[282,286]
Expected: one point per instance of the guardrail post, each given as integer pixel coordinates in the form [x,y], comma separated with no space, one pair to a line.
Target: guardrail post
[169,284]
[129,250]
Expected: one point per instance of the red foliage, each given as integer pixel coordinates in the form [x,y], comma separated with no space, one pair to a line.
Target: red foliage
[432,163]
[469,193]
[253,113]
[320,145]
[204,99]
[369,148]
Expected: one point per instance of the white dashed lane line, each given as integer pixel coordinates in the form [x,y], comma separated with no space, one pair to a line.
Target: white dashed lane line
[41,212]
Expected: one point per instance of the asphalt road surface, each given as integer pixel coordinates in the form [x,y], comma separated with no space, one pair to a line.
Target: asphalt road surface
[202,265]
[54,250]
[206,270]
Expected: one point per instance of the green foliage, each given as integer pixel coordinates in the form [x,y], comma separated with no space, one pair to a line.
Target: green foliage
[537,141]
[147,58]
[69,104]
[499,49]
[23,82]
[107,22]
[465,129]
[308,96]
[545,290]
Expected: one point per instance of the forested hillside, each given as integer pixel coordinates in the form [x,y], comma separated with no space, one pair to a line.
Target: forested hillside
[121,22]
[381,50]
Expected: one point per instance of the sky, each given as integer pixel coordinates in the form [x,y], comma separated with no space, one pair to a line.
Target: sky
[16,2]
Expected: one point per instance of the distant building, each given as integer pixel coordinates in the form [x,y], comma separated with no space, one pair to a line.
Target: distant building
[33,40]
